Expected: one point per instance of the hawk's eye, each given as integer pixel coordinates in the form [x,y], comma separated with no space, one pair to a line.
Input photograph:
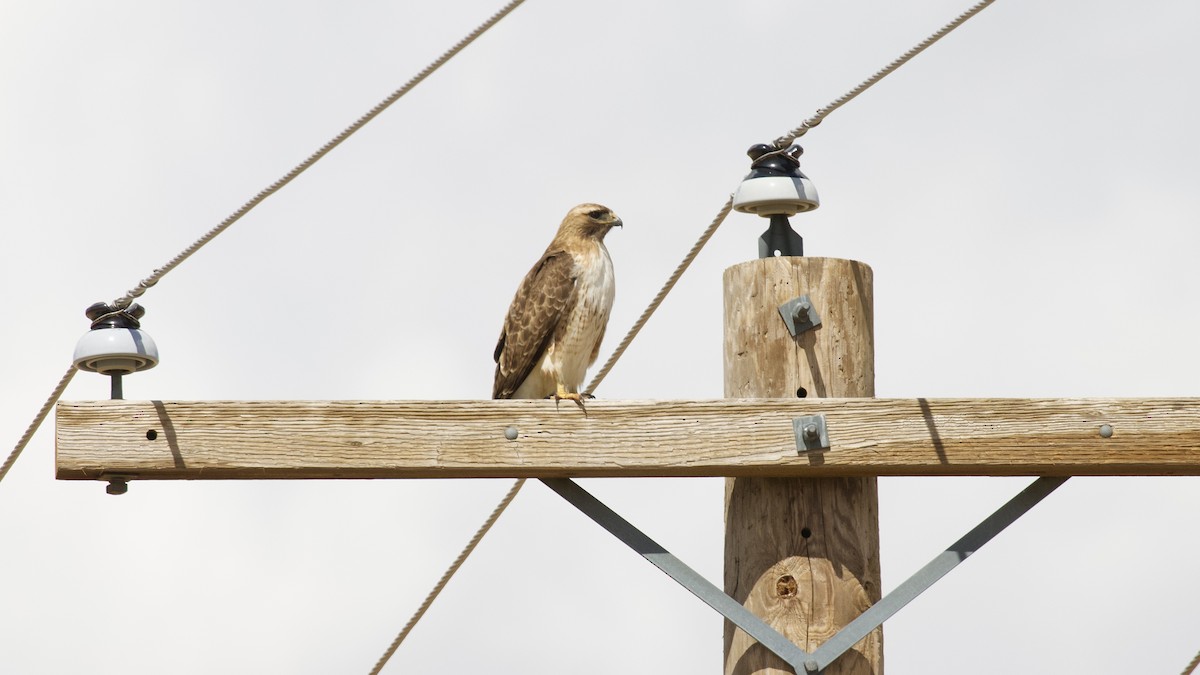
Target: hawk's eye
[597,214]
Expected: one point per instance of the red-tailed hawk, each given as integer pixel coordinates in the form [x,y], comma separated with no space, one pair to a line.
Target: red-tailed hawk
[554,326]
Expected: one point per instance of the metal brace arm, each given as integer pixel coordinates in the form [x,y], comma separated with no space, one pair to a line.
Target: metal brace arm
[934,570]
[676,569]
[834,647]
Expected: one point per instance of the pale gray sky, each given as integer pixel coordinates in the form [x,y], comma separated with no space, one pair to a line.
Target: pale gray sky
[1025,192]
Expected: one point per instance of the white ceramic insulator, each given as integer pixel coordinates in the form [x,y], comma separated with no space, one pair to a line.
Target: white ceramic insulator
[115,351]
[776,195]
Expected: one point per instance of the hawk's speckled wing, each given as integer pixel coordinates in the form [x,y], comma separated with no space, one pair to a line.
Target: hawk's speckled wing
[544,298]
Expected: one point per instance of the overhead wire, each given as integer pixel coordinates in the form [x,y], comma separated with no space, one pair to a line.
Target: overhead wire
[159,273]
[37,421]
[1191,667]
[782,141]
[437,588]
[300,168]
[787,139]
[516,487]
[661,295]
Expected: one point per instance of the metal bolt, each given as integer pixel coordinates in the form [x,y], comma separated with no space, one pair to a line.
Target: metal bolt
[511,433]
[1106,431]
[811,433]
[800,311]
[117,486]
[811,666]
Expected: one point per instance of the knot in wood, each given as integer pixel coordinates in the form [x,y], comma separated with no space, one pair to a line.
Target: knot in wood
[786,586]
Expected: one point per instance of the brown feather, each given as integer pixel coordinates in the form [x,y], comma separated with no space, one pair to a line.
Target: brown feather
[544,297]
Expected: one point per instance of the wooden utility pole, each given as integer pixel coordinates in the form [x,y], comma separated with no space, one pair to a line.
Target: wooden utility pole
[801,553]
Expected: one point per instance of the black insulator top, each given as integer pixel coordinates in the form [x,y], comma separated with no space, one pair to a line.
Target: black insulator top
[104,315]
[768,161]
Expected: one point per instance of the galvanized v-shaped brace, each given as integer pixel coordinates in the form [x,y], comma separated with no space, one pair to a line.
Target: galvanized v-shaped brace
[797,658]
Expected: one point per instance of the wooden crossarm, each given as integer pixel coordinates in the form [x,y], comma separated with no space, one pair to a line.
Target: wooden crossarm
[722,437]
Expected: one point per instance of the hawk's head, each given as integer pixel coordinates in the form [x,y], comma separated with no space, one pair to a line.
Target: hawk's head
[589,221]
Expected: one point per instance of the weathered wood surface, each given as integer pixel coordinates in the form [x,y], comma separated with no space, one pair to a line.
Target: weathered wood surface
[801,553]
[723,437]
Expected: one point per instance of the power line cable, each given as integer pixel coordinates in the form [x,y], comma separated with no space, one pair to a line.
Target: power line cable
[37,421]
[781,142]
[1191,667]
[159,273]
[300,168]
[662,294]
[786,140]
[437,588]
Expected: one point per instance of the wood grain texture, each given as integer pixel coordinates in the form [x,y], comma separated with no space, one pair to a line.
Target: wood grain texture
[723,437]
[763,360]
[801,553]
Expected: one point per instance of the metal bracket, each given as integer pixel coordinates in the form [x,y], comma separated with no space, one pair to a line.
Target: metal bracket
[676,569]
[937,568]
[851,633]
[811,433]
[799,315]
[780,239]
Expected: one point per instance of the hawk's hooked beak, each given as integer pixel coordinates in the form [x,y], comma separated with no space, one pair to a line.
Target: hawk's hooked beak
[618,223]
